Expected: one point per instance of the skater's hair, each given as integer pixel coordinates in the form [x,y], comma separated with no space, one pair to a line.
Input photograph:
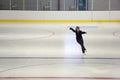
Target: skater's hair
[77,27]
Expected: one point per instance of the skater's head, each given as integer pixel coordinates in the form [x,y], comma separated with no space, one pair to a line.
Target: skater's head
[77,28]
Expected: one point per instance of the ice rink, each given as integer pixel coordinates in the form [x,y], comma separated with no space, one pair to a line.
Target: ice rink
[49,51]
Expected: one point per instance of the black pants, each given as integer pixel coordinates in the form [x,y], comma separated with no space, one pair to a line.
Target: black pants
[81,42]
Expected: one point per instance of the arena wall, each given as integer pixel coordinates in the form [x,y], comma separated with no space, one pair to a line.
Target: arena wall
[59,16]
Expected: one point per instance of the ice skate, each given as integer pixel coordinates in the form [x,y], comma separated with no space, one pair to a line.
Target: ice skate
[84,51]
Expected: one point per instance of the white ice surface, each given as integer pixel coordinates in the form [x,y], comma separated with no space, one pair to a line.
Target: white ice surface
[55,40]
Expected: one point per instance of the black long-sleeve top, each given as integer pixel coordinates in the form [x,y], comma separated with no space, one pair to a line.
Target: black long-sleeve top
[78,34]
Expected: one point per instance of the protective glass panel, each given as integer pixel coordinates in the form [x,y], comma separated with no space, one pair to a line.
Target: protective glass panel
[44,4]
[30,4]
[4,4]
[100,5]
[16,4]
[115,4]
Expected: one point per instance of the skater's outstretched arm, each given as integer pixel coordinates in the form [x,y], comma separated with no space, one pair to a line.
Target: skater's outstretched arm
[72,29]
[83,32]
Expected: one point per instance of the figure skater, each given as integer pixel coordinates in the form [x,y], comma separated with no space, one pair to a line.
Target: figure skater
[79,37]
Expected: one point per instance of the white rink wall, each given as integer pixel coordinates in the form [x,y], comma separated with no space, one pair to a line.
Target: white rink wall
[60,15]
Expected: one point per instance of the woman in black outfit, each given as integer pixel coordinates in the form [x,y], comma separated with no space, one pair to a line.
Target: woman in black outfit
[79,37]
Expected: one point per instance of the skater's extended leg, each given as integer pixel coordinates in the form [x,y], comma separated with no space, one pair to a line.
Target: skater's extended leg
[82,46]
